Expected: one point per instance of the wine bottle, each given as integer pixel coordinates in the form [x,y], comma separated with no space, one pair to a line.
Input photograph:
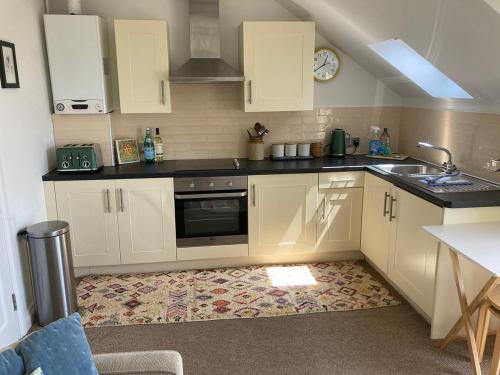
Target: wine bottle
[158,147]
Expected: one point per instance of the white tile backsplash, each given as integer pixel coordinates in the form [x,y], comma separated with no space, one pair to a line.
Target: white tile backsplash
[208,122]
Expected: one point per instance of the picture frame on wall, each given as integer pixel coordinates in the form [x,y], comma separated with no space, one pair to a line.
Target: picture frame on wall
[127,151]
[9,77]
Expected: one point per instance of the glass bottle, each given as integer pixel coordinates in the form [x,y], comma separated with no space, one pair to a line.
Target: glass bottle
[149,148]
[158,147]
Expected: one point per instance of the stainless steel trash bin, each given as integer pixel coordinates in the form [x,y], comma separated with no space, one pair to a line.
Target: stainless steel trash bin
[52,270]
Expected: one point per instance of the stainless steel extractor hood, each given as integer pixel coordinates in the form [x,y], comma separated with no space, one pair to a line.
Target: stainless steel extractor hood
[205,64]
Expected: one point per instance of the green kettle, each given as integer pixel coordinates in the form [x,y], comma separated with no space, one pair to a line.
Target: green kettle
[338,142]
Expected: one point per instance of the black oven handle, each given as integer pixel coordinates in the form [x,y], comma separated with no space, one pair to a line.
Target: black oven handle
[210,195]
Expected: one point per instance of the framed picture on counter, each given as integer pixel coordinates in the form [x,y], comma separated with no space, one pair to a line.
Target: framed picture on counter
[9,77]
[127,151]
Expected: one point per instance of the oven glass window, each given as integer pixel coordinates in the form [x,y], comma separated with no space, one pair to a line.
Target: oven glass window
[211,217]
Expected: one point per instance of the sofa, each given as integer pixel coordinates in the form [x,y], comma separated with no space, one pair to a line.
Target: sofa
[61,348]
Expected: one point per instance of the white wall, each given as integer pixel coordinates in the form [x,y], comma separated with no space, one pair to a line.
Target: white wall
[26,140]
[353,87]
[459,37]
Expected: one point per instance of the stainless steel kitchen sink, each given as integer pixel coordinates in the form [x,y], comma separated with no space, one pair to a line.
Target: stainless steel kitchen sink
[416,170]
[419,175]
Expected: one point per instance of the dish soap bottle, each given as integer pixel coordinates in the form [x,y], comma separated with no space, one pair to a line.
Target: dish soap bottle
[149,148]
[158,147]
[385,143]
[374,143]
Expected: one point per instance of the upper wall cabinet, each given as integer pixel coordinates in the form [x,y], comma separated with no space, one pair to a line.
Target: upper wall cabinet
[277,61]
[143,68]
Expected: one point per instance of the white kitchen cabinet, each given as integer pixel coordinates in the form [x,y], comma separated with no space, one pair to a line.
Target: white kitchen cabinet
[277,61]
[339,225]
[90,209]
[143,66]
[146,220]
[376,226]
[116,222]
[394,241]
[282,213]
[413,252]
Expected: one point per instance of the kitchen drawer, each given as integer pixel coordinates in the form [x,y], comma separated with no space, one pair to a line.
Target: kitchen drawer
[340,180]
[212,252]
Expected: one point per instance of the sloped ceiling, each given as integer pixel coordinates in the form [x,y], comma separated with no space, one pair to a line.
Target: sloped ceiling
[460,37]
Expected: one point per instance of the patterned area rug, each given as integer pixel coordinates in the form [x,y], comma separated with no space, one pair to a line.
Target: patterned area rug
[228,293]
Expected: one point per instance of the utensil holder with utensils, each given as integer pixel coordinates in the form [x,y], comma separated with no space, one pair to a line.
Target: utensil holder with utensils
[256,141]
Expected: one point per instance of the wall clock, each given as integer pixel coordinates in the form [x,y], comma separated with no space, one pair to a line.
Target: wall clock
[326,64]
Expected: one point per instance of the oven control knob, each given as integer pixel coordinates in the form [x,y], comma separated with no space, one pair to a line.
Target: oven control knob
[65,164]
[230,183]
[211,184]
[191,185]
[60,107]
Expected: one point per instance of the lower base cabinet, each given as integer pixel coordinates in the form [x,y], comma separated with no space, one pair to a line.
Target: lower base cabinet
[375,236]
[305,213]
[282,213]
[90,209]
[393,239]
[412,252]
[146,220]
[116,222]
[339,223]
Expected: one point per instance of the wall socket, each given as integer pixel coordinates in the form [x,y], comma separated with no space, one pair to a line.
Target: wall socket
[494,165]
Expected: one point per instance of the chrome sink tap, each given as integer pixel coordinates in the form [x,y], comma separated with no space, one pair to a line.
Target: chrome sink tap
[449,167]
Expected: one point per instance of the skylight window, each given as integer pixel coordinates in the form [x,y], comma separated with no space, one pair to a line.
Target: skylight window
[414,66]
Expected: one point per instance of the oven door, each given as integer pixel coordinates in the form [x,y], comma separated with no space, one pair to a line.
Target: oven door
[211,218]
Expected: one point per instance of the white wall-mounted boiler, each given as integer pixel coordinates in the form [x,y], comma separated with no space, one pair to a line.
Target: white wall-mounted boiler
[77,48]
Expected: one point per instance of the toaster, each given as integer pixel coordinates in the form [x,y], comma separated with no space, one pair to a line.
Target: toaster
[82,157]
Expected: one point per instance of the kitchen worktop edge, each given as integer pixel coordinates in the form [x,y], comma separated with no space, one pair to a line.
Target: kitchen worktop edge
[268,166]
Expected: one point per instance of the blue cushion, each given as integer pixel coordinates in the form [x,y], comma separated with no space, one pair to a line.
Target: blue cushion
[59,348]
[11,363]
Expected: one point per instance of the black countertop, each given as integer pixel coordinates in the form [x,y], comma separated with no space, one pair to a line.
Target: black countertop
[326,164]
[135,170]
[448,200]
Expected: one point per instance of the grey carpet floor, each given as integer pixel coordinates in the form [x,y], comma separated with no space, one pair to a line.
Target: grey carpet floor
[389,340]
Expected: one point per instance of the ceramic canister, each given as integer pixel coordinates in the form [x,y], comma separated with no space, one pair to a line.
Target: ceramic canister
[317,149]
[278,150]
[304,149]
[255,149]
[291,149]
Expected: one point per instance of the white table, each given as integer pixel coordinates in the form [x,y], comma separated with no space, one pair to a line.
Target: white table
[480,243]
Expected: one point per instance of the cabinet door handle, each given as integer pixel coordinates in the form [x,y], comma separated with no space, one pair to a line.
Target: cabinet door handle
[253,195]
[324,209]
[108,202]
[250,91]
[391,209]
[386,195]
[122,207]
[162,91]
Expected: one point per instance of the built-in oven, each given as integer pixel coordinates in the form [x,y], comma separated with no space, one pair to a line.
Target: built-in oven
[211,211]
